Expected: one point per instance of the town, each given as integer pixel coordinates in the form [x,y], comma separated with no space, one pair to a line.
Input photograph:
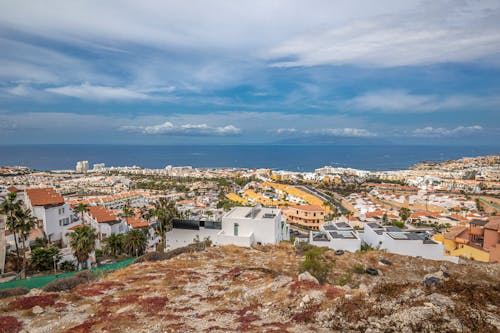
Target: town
[440,211]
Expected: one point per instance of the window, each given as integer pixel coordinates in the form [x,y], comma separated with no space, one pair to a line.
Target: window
[64,221]
[236,226]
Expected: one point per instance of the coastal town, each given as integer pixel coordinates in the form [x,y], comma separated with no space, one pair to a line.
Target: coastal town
[440,211]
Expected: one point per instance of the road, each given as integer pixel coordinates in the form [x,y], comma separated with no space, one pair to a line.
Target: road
[322,196]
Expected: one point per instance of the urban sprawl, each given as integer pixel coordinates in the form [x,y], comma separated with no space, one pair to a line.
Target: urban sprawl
[434,210]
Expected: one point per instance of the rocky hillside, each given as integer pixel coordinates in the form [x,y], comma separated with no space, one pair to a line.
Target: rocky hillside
[228,289]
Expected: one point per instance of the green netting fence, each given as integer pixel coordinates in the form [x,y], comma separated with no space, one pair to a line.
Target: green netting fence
[40,281]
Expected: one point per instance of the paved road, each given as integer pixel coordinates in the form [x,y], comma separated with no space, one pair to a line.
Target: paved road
[314,191]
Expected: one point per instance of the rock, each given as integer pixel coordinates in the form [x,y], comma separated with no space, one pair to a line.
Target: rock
[37,310]
[440,300]
[363,289]
[306,299]
[433,279]
[348,296]
[35,292]
[384,261]
[306,276]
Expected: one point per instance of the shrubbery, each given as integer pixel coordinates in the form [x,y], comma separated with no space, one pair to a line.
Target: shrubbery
[43,259]
[316,264]
[13,292]
[71,282]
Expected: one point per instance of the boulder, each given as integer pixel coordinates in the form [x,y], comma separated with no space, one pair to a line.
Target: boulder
[37,310]
[306,276]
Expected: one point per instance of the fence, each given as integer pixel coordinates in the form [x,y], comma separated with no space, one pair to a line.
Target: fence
[40,281]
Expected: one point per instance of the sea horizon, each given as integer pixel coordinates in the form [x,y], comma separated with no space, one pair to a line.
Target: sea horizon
[292,157]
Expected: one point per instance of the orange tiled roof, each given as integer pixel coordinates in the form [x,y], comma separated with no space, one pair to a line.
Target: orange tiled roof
[493,224]
[421,214]
[311,208]
[75,227]
[454,232]
[44,196]
[13,189]
[137,222]
[102,214]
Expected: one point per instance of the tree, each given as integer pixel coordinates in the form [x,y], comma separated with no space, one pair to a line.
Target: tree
[24,223]
[126,212]
[82,241]
[81,208]
[43,259]
[135,242]
[8,208]
[114,244]
[164,211]
[405,214]
[385,219]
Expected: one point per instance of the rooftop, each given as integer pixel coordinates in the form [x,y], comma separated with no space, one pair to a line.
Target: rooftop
[252,213]
[44,197]
[102,215]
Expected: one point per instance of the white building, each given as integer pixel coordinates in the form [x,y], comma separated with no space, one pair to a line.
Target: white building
[49,207]
[408,243]
[82,166]
[337,236]
[104,221]
[241,226]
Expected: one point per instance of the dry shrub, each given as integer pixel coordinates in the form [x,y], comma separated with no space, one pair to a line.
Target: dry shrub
[299,286]
[354,309]
[28,302]
[473,319]
[307,315]
[153,304]
[391,290]
[13,292]
[64,284]
[333,292]
[476,295]
[171,316]
[84,327]
[9,324]
[87,275]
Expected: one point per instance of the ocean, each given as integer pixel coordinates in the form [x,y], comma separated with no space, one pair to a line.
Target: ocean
[282,157]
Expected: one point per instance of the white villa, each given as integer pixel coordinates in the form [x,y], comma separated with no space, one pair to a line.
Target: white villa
[241,226]
[337,236]
[408,243]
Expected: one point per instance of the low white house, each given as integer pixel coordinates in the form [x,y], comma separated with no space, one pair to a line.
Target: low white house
[337,236]
[241,226]
[104,221]
[408,243]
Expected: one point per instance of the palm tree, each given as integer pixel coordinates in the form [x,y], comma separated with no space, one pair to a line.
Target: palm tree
[82,241]
[8,208]
[165,211]
[114,244]
[81,208]
[126,212]
[24,223]
[135,242]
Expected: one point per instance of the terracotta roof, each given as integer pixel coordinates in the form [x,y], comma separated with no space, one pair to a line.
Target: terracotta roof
[494,223]
[75,227]
[454,232]
[311,208]
[425,214]
[102,214]
[137,222]
[13,189]
[44,196]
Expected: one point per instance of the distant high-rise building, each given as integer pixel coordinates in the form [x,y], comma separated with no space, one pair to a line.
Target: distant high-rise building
[82,166]
[99,167]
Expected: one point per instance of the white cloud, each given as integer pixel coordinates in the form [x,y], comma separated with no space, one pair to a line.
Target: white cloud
[344,132]
[447,132]
[286,130]
[100,93]
[168,128]
[442,31]
[402,101]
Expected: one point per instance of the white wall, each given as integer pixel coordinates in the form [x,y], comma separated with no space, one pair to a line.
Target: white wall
[182,237]
[416,248]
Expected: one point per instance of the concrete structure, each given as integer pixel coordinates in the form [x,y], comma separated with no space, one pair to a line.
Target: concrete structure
[82,166]
[49,207]
[309,216]
[104,221]
[409,243]
[241,226]
[340,236]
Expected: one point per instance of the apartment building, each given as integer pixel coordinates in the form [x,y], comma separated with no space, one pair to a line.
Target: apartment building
[104,221]
[310,216]
[48,206]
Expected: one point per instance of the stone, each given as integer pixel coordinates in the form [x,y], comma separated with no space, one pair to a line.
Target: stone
[440,300]
[306,299]
[306,276]
[37,310]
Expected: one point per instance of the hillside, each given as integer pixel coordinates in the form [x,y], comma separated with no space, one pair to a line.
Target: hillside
[236,289]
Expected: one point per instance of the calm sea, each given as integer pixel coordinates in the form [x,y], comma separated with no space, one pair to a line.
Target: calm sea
[284,157]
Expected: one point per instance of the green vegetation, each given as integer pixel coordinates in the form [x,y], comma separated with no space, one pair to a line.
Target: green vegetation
[398,224]
[82,241]
[44,259]
[135,242]
[404,213]
[316,264]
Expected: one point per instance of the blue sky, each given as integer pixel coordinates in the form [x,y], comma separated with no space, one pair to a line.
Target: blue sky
[238,72]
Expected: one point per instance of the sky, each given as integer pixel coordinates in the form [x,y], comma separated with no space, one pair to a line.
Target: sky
[250,72]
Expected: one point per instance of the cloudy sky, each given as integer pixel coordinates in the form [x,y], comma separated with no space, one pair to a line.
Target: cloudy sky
[270,71]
